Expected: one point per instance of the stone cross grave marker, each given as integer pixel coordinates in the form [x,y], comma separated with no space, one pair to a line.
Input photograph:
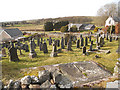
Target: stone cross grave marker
[32,53]
[54,50]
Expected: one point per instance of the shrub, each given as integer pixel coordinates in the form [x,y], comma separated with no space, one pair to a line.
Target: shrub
[96,29]
[73,28]
[48,26]
[64,28]
[58,25]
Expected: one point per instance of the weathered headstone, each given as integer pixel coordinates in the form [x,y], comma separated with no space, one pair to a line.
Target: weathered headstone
[69,45]
[84,50]
[34,45]
[13,53]
[62,43]
[32,53]
[41,39]
[97,39]
[54,50]
[65,40]
[100,42]
[91,42]
[44,47]
[86,41]
[78,44]
[82,42]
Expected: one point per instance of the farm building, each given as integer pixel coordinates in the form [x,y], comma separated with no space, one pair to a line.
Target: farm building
[9,34]
[90,27]
[70,25]
[115,21]
[112,21]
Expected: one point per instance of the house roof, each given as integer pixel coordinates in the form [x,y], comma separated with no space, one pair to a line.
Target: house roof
[12,32]
[89,26]
[116,19]
[83,26]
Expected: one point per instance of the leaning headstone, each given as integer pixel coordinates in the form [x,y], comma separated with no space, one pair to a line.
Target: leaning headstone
[3,52]
[110,38]
[44,47]
[32,53]
[54,50]
[78,44]
[69,45]
[82,42]
[13,53]
[62,43]
[86,41]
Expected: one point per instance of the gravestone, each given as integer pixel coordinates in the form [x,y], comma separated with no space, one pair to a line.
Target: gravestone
[41,39]
[3,52]
[84,50]
[91,42]
[34,45]
[80,36]
[62,43]
[54,50]
[100,42]
[78,44]
[32,53]
[110,38]
[107,36]
[90,48]
[65,40]
[97,38]
[58,43]
[69,45]
[50,41]
[90,38]
[26,47]
[13,53]
[86,41]
[44,47]
[82,42]
[40,46]
[99,35]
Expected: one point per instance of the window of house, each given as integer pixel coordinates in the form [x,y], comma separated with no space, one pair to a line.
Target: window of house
[110,22]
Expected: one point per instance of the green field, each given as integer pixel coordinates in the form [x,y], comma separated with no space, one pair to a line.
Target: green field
[12,70]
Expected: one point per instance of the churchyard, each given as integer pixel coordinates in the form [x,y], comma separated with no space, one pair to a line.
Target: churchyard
[103,53]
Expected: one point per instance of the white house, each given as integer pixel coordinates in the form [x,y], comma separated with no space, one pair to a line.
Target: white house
[9,34]
[112,21]
[71,24]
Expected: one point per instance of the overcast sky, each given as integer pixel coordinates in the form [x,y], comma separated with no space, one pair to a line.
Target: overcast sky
[17,10]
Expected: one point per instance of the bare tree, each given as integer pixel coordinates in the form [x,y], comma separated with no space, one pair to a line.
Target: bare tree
[110,9]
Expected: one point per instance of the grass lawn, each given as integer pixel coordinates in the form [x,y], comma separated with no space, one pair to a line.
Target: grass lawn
[11,70]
